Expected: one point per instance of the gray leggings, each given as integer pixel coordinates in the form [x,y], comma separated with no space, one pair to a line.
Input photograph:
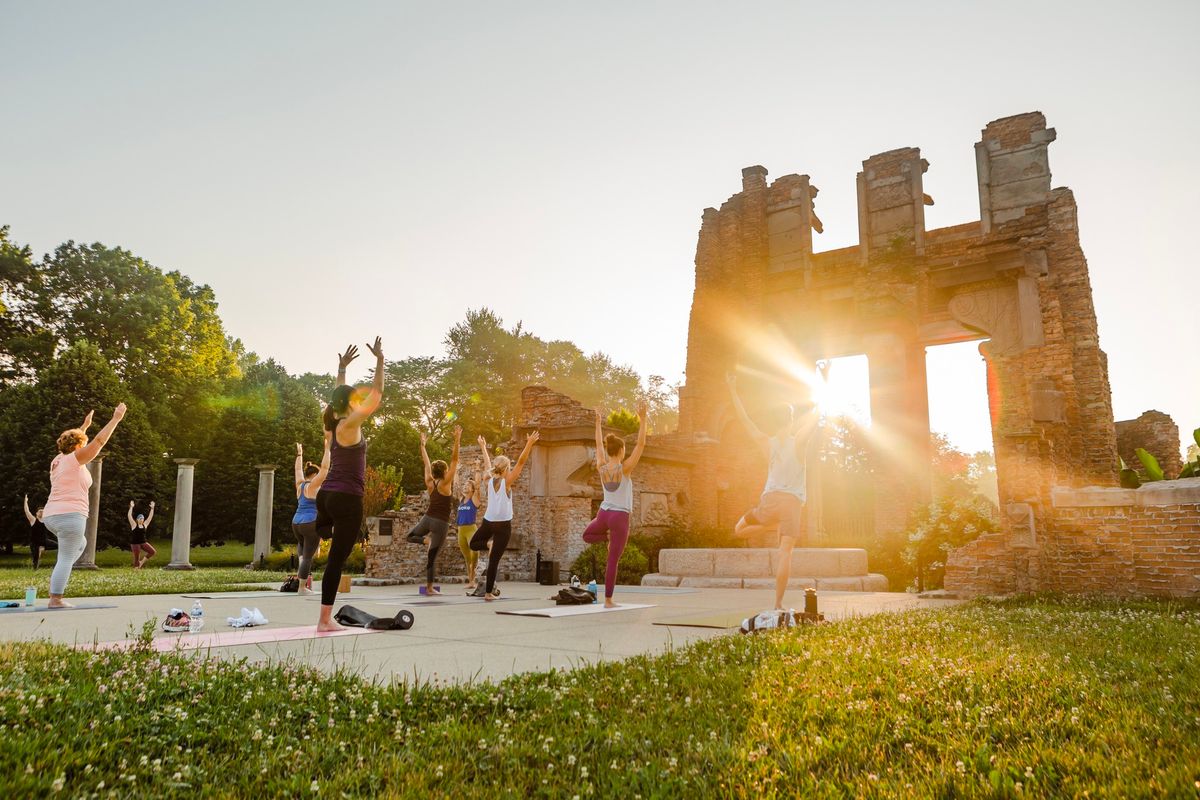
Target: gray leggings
[71,530]
[436,530]
[308,542]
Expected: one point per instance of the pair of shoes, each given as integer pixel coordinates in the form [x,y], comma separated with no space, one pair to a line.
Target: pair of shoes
[178,621]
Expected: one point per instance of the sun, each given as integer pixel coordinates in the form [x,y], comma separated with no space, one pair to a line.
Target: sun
[845,391]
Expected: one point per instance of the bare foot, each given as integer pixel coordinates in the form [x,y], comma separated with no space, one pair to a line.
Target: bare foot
[471,587]
[329,627]
[304,590]
[431,590]
[490,597]
[608,603]
[59,604]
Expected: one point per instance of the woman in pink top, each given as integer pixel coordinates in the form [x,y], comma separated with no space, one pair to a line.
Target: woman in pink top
[66,511]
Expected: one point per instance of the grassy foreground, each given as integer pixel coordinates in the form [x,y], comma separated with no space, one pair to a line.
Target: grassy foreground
[1030,699]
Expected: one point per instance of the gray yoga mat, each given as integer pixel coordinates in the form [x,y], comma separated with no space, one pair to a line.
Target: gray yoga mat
[442,600]
[655,590]
[39,609]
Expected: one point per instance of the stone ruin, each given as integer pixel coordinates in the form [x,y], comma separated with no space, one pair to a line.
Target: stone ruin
[768,306]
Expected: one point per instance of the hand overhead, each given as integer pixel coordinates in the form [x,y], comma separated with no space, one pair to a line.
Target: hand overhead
[377,348]
[345,358]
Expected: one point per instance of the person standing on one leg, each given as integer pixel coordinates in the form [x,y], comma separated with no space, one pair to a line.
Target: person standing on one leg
[496,529]
[612,523]
[340,500]
[309,478]
[787,442]
[468,509]
[66,510]
[433,527]
[141,548]
[37,533]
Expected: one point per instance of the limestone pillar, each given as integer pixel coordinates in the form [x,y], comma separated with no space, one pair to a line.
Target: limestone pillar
[262,522]
[900,453]
[87,560]
[181,538]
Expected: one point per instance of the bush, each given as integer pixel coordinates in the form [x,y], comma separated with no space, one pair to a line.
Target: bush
[939,527]
[285,560]
[592,562]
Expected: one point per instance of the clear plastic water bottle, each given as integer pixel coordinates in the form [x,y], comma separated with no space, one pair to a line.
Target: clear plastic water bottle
[196,617]
[591,587]
[30,595]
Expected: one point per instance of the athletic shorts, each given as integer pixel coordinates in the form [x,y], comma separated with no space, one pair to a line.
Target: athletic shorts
[783,510]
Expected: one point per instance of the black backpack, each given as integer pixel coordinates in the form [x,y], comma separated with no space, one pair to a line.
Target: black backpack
[292,584]
[574,596]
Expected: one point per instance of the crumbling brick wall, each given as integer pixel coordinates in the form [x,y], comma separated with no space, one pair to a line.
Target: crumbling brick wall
[1157,434]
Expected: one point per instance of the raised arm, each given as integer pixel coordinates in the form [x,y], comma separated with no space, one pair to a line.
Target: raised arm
[477,497]
[515,472]
[93,448]
[375,395]
[344,361]
[487,458]
[758,436]
[453,468]
[322,473]
[29,514]
[425,462]
[299,467]
[599,442]
[807,433]
[636,456]
[150,516]
[129,516]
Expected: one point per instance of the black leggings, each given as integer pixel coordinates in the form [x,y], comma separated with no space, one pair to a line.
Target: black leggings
[340,516]
[436,530]
[308,542]
[499,533]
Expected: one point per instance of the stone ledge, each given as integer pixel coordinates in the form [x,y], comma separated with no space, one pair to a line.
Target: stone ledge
[762,562]
[1159,493]
[859,583]
[712,583]
[658,579]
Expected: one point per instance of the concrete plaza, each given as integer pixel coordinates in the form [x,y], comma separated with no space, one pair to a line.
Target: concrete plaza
[454,638]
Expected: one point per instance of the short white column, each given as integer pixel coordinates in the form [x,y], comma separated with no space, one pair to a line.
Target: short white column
[181,536]
[87,559]
[266,501]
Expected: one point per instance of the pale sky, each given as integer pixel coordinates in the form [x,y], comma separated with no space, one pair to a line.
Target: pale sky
[551,159]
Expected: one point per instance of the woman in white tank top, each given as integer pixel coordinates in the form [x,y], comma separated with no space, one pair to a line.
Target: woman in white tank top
[612,523]
[496,530]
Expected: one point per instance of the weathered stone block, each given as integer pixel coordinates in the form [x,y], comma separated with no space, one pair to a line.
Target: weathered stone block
[686,562]
[658,579]
[769,583]
[852,561]
[875,582]
[816,561]
[742,563]
[712,583]
[839,584]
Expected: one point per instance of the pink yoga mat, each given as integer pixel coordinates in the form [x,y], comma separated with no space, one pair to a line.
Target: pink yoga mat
[198,641]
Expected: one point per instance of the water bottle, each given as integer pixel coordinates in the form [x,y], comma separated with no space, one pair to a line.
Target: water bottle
[591,587]
[30,595]
[196,617]
[575,582]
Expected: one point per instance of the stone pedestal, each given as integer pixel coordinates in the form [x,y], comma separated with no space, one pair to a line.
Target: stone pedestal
[87,560]
[181,538]
[262,521]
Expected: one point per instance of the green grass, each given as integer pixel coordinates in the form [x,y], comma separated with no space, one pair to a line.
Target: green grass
[230,554]
[218,569]
[130,581]
[1027,699]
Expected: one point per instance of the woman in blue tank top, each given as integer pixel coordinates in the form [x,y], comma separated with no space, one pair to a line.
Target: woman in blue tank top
[309,478]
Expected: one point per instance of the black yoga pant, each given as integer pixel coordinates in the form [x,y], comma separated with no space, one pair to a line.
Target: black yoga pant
[436,530]
[308,541]
[499,533]
[340,517]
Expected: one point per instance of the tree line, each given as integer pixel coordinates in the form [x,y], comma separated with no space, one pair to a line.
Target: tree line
[88,326]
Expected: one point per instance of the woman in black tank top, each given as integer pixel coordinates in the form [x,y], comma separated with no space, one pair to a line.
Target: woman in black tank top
[433,527]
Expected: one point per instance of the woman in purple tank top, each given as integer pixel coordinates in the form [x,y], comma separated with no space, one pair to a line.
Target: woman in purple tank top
[340,499]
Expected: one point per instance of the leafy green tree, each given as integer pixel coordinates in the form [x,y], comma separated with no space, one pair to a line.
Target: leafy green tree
[24,345]
[395,443]
[624,420]
[134,466]
[259,420]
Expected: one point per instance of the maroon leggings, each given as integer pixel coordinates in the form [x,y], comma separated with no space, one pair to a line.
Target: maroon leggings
[614,526]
